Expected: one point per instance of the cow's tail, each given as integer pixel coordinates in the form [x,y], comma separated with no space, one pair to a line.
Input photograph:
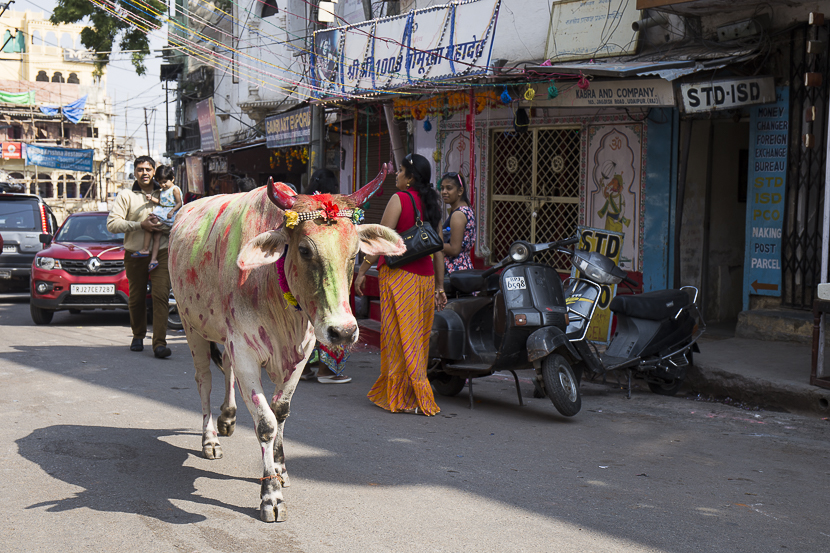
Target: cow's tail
[216,355]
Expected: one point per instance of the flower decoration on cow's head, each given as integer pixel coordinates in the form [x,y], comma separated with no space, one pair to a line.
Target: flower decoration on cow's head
[284,198]
[331,211]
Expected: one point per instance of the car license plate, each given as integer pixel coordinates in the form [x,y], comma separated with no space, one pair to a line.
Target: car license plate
[9,249]
[92,289]
[5,274]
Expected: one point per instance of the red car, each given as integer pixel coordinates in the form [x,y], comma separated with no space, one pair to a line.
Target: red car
[82,268]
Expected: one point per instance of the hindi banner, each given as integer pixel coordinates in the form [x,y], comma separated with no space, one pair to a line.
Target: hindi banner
[430,44]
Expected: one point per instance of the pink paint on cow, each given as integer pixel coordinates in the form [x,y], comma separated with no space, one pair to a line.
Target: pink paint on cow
[263,335]
[254,398]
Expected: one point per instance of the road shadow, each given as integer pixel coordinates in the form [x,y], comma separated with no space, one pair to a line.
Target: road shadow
[126,470]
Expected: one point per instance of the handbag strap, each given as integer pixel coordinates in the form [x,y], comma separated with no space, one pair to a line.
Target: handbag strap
[417,213]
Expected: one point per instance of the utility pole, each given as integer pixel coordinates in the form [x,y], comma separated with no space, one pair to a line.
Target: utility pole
[147,131]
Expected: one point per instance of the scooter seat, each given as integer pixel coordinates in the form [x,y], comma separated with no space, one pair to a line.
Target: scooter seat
[469,281]
[652,306]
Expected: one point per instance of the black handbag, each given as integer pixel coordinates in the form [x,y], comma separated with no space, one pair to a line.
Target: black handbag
[420,240]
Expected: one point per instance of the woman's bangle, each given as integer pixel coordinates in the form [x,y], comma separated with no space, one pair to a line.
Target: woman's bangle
[440,292]
[367,261]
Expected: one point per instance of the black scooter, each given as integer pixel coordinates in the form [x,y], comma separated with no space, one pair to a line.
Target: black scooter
[506,322]
[657,332]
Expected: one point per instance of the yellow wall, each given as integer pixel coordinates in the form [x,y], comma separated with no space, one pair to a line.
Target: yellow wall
[47,54]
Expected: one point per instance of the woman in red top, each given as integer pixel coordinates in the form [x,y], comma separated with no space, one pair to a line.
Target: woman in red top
[409,296]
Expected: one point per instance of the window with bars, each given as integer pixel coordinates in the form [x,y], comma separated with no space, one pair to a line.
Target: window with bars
[534,189]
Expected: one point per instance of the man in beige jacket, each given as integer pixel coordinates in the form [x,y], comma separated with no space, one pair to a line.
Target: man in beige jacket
[132,215]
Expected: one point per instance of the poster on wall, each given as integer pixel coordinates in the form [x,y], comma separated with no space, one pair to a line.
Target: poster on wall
[609,244]
[195,175]
[594,29]
[768,151]
[614,186]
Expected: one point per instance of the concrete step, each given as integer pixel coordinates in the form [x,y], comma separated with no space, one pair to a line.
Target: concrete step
[782,325]
[369,332]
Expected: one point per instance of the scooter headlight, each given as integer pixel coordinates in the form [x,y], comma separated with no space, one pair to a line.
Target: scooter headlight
[590,271]
[520,252]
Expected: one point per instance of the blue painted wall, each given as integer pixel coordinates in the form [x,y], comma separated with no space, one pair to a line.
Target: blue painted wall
[661,186]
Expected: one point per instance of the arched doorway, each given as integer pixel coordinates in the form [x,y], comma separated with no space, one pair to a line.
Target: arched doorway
[44,185]
[70,186]
[86,184]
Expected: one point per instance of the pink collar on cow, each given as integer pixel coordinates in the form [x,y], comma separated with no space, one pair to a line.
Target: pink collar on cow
[329,212]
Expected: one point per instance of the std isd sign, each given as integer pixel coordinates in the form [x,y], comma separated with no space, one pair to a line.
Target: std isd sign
[288,129]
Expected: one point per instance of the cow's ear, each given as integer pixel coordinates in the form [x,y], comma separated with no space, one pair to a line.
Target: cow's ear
[380,240]
[261,250]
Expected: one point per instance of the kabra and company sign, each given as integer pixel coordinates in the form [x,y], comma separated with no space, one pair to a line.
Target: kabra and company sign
[768,150]
[646,93]
[288,129]
[727,94]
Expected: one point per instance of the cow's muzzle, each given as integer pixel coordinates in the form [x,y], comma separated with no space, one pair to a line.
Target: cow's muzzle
[342,334]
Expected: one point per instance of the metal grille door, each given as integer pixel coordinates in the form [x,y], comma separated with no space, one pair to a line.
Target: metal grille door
[801,255]
[534,191]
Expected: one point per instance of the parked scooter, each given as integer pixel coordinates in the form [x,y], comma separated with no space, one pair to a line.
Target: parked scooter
[656,335]
[513,315]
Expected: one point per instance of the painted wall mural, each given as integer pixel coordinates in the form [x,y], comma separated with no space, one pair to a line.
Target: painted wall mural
[615,186]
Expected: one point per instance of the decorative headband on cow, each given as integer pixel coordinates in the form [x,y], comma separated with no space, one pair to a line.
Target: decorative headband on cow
[284,198]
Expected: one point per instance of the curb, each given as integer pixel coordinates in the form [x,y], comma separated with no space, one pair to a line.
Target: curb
[755,391]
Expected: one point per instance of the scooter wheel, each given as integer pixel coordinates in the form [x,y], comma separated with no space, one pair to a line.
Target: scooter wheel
[561,385]
[447,385]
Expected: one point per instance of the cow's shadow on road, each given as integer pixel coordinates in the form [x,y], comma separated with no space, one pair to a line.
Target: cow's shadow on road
[128,470]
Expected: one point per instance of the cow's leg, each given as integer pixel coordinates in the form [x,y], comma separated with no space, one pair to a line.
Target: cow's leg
[200,349]
[248,371]
[281,403]
[226,422]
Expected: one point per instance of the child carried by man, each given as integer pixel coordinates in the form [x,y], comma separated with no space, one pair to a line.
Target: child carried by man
[168,204]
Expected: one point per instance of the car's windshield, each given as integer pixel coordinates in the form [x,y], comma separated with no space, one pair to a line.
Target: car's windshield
[19,215]
[87,228]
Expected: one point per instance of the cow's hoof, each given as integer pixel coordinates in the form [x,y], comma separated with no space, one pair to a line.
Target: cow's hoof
[271,513]
[285,481]
[226,425]
[212,450]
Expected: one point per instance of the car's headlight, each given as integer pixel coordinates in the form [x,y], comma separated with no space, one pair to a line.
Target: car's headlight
[47,263]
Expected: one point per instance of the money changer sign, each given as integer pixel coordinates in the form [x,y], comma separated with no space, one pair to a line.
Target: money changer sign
[609,244]
[768,136]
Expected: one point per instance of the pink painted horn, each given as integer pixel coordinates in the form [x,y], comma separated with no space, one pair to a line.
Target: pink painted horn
[279,193]
[367,191]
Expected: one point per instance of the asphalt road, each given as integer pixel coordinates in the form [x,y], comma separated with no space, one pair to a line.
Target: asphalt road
[102,453]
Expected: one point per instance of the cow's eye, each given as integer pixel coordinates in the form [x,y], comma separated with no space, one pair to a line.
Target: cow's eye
[304,252]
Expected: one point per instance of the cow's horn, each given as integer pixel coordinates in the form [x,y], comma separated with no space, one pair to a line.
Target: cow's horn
[279,193]
[367,191]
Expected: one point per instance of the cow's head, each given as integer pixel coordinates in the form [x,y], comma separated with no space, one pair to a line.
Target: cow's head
[320,237]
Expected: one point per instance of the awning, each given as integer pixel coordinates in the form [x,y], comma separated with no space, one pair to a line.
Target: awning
[665,69]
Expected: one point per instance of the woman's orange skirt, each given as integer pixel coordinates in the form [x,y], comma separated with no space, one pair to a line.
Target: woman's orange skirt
[406,314]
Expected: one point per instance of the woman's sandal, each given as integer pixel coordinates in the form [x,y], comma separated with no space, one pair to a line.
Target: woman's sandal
[140,254]
[334,379]
[153,265]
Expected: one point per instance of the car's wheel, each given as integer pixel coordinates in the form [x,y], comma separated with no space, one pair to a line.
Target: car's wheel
[561,385]
[446,384]
[174,322]
[41,316]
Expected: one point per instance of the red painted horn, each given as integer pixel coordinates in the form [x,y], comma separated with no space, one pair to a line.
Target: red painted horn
[282,195]
[367,191]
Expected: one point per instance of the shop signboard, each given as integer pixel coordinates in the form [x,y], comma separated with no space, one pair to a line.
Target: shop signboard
[69,159]
[646,93]
[727,94]
[592,29]
[208,131]
[430,44]
[288,129]
[768,150]
[609,244]
[12,150]
[195,175]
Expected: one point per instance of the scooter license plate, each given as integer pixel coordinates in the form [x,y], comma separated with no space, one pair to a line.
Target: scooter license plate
[516,283]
